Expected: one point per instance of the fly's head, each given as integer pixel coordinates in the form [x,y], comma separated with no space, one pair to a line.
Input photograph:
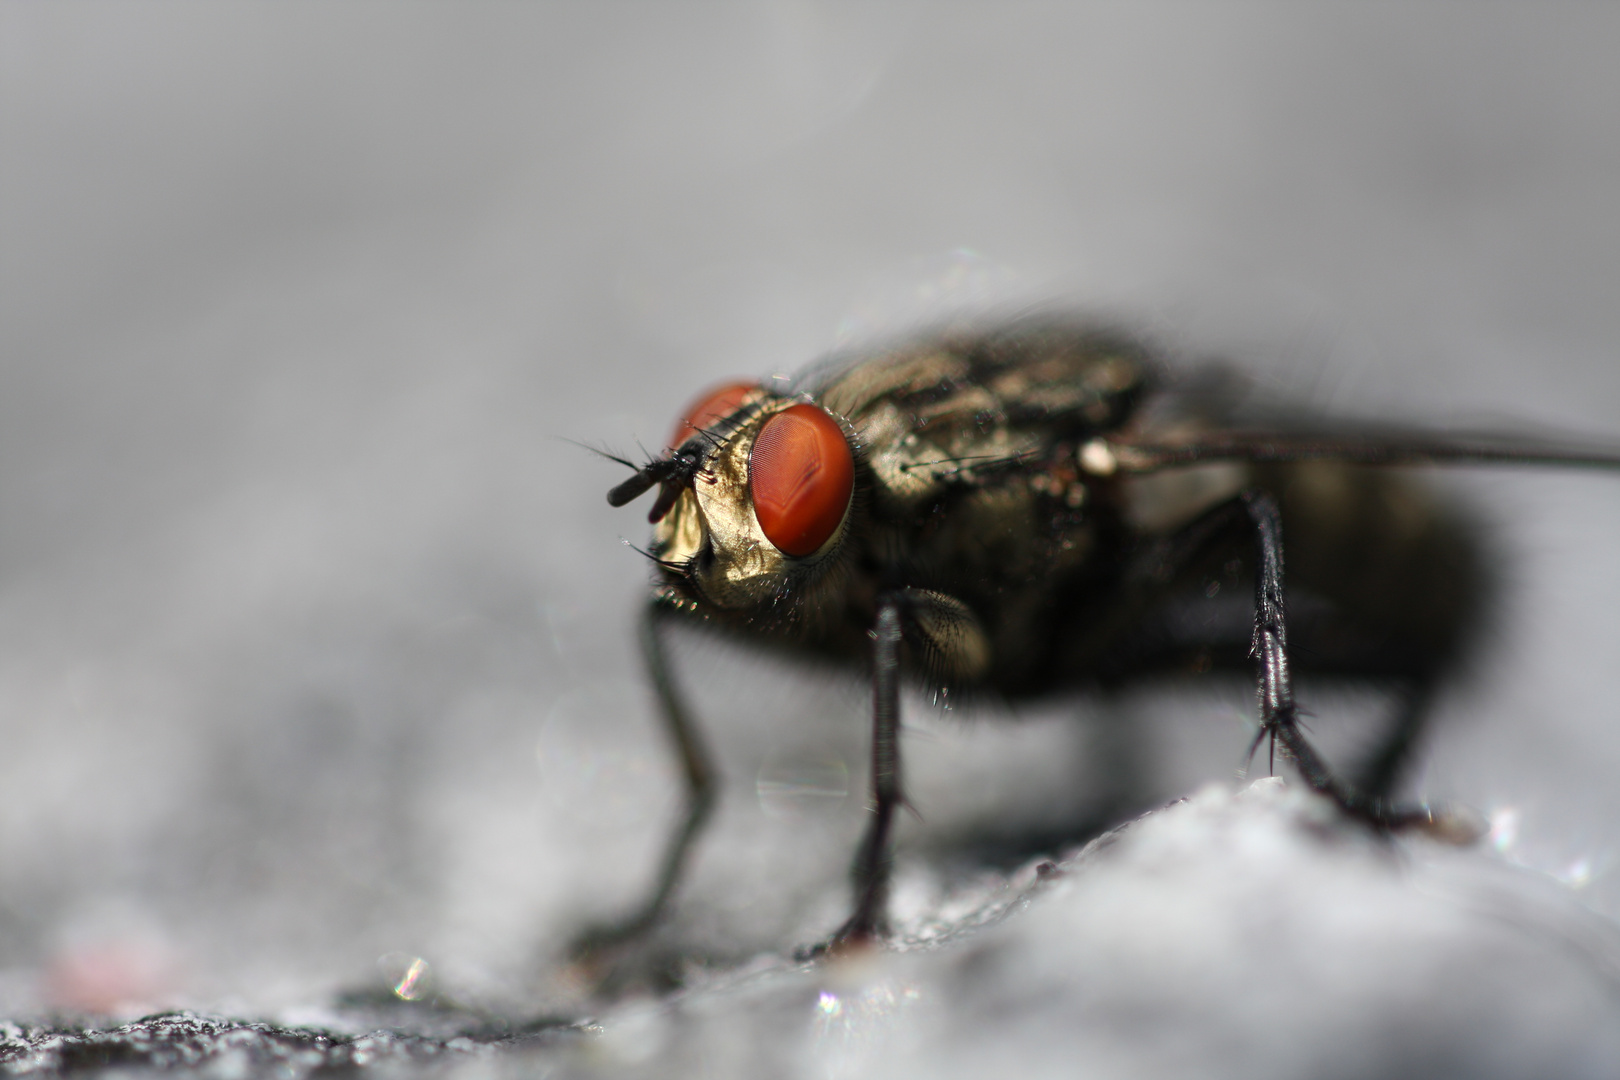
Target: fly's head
[754,500]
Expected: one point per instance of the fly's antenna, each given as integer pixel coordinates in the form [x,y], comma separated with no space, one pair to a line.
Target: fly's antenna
[654,472]
[668,492]
[672,474]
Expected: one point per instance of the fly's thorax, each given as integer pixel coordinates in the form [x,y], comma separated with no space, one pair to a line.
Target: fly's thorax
[957,413]
[912,464]
[713,543]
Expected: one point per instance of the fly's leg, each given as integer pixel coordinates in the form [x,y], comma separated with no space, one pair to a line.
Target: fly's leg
[873,862]
[1129,639]
[598,942]
[1385,766]
[1279,715]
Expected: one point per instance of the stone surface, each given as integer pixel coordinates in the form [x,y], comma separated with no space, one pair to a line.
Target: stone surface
[1244,934]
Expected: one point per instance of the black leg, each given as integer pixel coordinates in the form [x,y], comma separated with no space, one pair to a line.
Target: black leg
[1385,766]
[700,779]
[872,860]
[1163,567]
[1139,635]
[1279,715]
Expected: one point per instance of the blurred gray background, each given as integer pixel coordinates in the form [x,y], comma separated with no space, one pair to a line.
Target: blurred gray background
[315,628]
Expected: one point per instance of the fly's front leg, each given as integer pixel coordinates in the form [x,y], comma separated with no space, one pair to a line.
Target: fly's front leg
[1279,715]
[700,781]
[952,643]
[872,865]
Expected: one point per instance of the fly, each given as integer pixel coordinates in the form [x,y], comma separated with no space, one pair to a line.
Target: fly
[1033,507]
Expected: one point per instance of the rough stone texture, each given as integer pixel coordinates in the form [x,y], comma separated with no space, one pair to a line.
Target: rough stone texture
[1249,935]
[216,1046]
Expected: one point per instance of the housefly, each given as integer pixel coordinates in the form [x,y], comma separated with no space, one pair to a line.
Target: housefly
[1035,506]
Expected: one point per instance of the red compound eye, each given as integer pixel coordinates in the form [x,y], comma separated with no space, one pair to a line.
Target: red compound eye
[710,409]
[800,473]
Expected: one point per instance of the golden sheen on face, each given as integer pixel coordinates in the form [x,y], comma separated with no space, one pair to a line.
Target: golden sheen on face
[793,457]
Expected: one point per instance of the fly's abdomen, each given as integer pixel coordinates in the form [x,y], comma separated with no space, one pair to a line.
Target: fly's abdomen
[1389,576]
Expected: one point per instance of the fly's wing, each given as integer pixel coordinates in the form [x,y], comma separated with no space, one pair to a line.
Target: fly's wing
[965,402]
[1204,418]
[1192,443]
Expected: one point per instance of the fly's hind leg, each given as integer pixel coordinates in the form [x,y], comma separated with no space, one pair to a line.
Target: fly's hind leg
[597,948]
[1139,634]
[1381,772]
[1279,715]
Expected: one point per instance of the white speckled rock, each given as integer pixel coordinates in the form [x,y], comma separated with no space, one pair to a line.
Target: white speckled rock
[1246,935]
